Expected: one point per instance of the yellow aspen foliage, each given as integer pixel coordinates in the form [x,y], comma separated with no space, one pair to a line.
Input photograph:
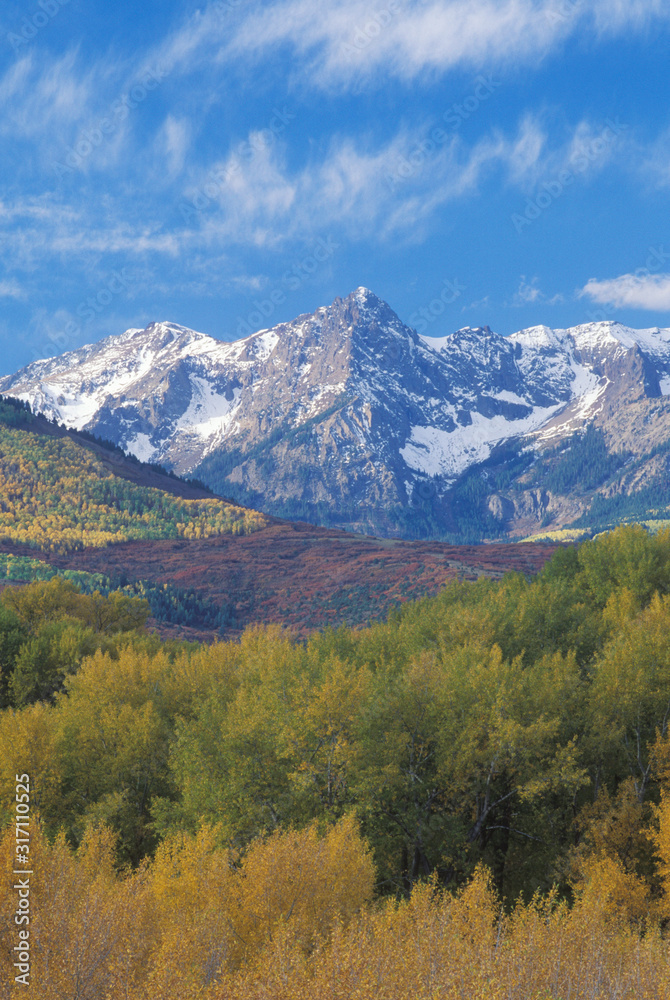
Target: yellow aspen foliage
[614,826]
[323,732]
[172,930]
[308,881]
[660,758]
[213,912]
[474,912]
[628,696]
[191,883]
[58,496]
[661,838]
[421,950]
[83,919]
[607,890]
[622,606]
[41,601]
[28,744]
[421,947]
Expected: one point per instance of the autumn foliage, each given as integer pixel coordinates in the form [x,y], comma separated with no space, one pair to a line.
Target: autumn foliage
[469,800]
[194,915]
[57,495]
[293,920]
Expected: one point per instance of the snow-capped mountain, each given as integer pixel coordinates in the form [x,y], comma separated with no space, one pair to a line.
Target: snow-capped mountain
[349,409]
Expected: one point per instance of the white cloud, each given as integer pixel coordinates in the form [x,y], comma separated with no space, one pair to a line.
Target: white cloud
[530,292]
[253,198]
[653,160]
[258,200]
[369,190]
[173,144]
[612,16]
[11,290]
[195,40]
[527,155]
[344,43]
[43,96]
[477,304]
[651,291]
[35,229]
[341,42]
[57,104]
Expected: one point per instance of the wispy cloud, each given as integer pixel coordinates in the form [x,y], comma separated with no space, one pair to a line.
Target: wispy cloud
[42,94]
[33,230]
[651,291]
[653,160]
[262,201]
[173,144]
[12,290]
[256,197]
[527,155]
[613,16]
[381,191]
[340,42]
[478,304]
[58,105]
[529,292]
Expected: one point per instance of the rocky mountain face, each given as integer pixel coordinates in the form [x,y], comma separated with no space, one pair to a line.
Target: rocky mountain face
[348,417]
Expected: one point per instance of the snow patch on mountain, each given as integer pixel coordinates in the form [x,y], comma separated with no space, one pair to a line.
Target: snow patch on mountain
[264,344]
[510,397]
[436,452]
[209,414]
[436,344]
[141,447]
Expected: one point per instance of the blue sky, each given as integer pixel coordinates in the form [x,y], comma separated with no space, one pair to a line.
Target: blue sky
[230,165]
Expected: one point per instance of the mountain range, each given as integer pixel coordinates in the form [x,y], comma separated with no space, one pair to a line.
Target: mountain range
[349,418]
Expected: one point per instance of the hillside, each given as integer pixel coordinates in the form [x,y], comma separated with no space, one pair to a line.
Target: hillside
[287,573]
[78,508]
[348,418]
[59,495]
[306,577]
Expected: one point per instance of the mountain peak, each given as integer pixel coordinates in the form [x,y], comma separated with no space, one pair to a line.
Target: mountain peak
[363,294]
[346,405]
[365,299]
[538,337]
[589,335]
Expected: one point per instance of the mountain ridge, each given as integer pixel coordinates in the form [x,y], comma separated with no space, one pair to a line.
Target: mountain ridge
[348,415]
